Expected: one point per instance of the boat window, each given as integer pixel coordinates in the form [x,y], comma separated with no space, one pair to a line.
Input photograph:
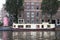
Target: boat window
[37,26]
[42,26]
[28,26]
[48,26]
[14,25]
[20,26]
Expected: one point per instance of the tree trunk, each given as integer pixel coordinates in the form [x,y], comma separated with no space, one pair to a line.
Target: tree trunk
[46,18]
[16,16]
[51,18]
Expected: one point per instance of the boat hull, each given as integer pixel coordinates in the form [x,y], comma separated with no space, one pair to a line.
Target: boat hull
[5,29]
[17,29]
[43,26]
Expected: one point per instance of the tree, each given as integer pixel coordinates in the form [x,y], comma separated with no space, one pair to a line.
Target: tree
[13,7]
[49,7]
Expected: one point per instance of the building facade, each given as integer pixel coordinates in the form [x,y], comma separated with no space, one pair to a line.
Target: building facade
[32,12]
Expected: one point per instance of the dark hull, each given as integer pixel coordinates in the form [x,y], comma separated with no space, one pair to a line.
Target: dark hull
[5,29]
[16,29]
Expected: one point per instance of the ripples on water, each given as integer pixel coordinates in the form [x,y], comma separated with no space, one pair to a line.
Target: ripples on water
[30,35]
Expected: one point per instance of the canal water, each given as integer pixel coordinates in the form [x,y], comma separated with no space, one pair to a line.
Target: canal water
[30,35]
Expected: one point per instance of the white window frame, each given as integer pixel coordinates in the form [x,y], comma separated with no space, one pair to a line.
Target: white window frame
[28,14]
[32,20]
[32,3]
[32,14]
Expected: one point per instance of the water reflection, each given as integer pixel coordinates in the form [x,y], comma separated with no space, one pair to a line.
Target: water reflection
[57,35]
[34,35]
[5,35]
[0,35]
[30,35]
[18,36]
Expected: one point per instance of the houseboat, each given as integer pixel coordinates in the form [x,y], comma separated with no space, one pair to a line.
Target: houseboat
[44,25]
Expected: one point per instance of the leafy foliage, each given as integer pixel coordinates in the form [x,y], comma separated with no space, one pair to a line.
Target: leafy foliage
[49,7]
[1,24]
[13,6]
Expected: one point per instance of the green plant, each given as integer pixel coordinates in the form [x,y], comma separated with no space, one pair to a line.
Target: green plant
[14,7]
[1,23]
[49,7]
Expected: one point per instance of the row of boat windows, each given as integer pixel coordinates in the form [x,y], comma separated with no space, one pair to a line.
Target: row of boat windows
[29,26]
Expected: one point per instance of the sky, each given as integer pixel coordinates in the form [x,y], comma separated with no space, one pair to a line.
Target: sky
[1,3]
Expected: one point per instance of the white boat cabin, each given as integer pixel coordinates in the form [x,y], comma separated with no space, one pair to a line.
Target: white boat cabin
[34,26]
